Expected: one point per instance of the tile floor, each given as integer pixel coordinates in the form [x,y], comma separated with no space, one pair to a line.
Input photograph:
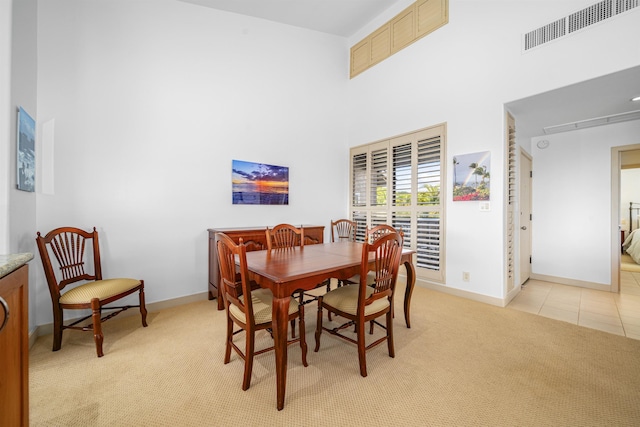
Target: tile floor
[610,312]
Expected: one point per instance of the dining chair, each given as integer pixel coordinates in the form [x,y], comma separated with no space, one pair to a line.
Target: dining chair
[343,230]
[284,236]
[249,309]
[360,303]
[370,235]
[76,256]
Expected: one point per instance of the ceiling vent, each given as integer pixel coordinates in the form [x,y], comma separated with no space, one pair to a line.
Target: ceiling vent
[599,121]
[577,21]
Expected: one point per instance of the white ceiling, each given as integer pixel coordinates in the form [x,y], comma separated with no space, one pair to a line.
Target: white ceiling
[339,17]
[604,96]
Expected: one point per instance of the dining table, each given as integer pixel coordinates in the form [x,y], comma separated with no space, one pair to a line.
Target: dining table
[285,271]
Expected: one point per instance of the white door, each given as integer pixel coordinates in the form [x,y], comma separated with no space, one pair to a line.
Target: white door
[525,217]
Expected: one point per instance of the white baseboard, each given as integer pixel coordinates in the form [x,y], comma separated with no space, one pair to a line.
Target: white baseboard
[571,282]
[47,329]
[461,293]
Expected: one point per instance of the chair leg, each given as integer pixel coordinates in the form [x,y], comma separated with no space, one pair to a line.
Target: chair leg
[248,358]
[227,352]
[319,325]
[97,326]
[390,334]
[57,328]
[362,358]
[293,328]
[303,339]
[143,307]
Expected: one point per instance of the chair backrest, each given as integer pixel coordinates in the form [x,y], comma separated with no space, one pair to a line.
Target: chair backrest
[69,245]
[386,251]
[284,236]
[234,281]
[343,230]
[374,233]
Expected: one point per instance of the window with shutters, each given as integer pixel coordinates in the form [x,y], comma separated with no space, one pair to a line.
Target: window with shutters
[399,182]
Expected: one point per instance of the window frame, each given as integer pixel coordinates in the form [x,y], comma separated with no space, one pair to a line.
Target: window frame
[367,213]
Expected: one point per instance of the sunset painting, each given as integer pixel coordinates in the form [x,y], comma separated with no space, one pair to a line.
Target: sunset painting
[259,184]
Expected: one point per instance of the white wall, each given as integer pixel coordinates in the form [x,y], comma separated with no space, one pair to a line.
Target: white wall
[572,202]
[22,204]
[152,101]
[5,120]
[463,74]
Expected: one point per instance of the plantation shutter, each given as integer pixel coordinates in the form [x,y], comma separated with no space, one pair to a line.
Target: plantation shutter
[405,183]
[511,202]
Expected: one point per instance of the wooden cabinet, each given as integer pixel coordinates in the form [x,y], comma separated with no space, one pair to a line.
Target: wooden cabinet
[14,348]
[255,239]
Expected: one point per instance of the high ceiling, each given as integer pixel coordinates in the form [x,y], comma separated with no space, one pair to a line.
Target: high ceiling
[601,97]
[339,17]
[606,96]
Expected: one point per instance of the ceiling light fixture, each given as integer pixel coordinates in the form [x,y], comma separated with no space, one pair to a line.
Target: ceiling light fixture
[637,98]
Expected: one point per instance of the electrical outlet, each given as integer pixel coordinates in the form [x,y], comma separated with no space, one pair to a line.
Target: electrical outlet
[466,276]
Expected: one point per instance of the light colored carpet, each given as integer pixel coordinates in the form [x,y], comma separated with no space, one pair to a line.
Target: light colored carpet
[628,264]
[462,363]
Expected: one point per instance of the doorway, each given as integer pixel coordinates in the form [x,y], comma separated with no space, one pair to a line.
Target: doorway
[524,246]
[622,158]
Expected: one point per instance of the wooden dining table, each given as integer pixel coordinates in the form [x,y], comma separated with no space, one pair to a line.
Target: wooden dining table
[285,271]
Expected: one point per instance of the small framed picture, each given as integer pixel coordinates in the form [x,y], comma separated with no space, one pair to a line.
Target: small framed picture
[26,153]
[471,176]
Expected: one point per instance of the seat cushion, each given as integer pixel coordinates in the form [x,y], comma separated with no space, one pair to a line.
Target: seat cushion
[345,299]
[371,278]
[262,301]
[101,289]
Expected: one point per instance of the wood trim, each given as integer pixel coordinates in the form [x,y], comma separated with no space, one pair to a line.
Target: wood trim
[416,21]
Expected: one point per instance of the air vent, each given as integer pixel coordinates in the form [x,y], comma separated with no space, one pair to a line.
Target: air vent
[577,21]
[545,34]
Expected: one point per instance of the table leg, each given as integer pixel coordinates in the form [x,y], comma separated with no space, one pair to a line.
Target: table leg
[280,325]
[411,281]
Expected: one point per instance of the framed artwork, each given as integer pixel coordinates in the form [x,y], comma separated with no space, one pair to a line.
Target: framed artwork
[26,153]
[471,176]
[259,184]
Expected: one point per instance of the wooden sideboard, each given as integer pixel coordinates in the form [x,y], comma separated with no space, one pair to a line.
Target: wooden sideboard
[14,348]
[255,239]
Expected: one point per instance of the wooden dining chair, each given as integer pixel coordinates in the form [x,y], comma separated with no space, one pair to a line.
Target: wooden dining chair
[360,303]
[284,236]
[370,235]
[249,309]
[71,263]
[343,230]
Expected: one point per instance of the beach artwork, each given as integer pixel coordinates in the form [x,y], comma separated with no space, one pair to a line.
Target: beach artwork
[471,176]
[26,160]
[259,184]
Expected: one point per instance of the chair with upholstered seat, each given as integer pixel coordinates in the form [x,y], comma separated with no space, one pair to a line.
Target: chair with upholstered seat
[284,236]
[370,235]
[361,303]
[343,230]
[75,252]
[250,310]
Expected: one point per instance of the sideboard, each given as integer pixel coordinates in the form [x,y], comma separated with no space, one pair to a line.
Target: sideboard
[14,339]
[255,239]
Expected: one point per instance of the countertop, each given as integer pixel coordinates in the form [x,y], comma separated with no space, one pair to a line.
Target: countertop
[12,262]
